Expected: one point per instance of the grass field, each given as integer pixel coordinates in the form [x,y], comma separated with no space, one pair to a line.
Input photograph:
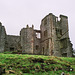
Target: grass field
[18,64]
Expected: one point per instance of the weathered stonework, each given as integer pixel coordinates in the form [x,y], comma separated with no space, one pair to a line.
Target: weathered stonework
[52,39]
[2,38]
[57,36]
[27,40]
[12,43]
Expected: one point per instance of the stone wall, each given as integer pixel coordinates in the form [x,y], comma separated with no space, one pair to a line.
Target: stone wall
[2,38]
[37,40]
[12,43]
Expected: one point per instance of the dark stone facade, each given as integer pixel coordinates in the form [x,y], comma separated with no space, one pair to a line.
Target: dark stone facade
[52,39]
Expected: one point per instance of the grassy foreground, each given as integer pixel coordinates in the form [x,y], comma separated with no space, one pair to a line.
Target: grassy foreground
[18,64]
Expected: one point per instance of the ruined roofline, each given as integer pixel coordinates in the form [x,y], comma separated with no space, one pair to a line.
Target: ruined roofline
[13,35]
[39,31]
[26,28]
[46,16]
[0,24]
[63,16]
[60,16]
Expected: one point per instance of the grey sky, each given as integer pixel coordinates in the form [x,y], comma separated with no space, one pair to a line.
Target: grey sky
[16,14]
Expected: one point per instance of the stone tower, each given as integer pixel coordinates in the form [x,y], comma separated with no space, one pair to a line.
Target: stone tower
[26,35]
[55,37]
[30,41]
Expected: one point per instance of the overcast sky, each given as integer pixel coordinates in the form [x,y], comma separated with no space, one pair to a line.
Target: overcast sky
[16,14]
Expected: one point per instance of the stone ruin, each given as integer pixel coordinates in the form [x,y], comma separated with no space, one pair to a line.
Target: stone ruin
[52,39]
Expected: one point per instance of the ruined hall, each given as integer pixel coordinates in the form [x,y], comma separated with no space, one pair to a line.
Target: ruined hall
[52,39]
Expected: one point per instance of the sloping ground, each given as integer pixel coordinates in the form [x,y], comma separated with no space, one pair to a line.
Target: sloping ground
[18,64]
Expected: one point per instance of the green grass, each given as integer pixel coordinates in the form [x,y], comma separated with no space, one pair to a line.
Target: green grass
[36,64]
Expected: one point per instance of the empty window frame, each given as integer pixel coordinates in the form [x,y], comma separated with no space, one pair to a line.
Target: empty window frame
[64,43]
[43,50]
[58,31]
[37,35]
[45,33]
[11,48]
[64,54]
[37,47]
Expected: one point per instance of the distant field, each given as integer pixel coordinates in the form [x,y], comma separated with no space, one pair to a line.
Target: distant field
[18,64]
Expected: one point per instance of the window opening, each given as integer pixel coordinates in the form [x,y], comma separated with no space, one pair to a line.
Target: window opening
[11,48]
[38,35]
[45,33]
[64,43]
[43,50]
[64,54]
[37,47]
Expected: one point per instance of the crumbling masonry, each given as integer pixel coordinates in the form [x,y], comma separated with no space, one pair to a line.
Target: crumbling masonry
[52,39]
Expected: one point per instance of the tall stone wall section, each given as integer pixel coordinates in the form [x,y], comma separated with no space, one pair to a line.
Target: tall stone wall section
[66,50]
[45,35]
[54,36]
[37,40]
[2,38]
[48,36]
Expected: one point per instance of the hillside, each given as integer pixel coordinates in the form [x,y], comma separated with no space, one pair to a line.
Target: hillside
[18,64]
